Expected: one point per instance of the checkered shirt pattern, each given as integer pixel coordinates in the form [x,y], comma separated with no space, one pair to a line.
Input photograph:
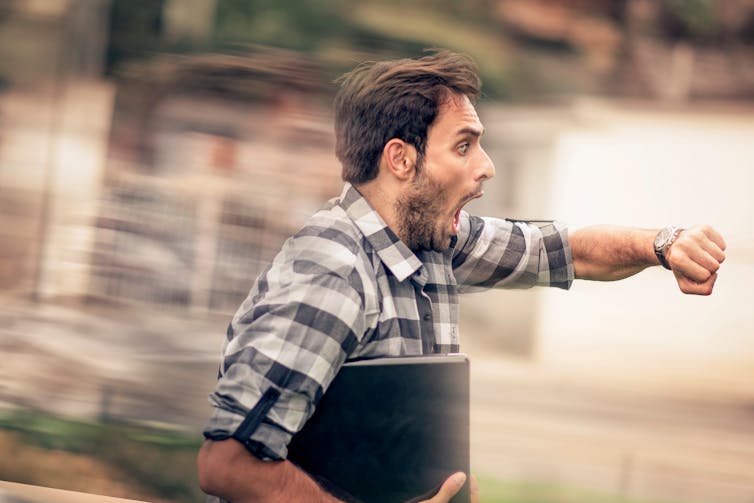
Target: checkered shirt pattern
[346,287]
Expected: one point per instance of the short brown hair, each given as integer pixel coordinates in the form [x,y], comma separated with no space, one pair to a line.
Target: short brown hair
[378,101]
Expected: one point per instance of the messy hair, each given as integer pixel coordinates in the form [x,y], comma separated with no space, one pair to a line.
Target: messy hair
[378,101]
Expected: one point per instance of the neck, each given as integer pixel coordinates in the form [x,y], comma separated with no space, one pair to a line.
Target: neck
[382,199]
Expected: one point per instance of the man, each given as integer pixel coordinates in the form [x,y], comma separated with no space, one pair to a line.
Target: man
[377,272]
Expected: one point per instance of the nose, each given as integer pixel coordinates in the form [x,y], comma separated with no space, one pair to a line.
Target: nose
[486,168]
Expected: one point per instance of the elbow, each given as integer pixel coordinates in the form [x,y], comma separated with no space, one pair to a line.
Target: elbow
[227,470]
[209,469]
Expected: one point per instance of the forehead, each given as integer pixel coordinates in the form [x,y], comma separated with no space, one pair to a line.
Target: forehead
[455,115]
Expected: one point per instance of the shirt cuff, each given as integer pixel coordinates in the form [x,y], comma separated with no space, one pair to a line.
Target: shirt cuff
[559,257]
[267,442]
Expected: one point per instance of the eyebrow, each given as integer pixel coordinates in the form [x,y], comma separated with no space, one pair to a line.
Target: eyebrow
[470,131]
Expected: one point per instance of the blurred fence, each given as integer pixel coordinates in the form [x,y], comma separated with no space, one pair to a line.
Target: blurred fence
[156,246]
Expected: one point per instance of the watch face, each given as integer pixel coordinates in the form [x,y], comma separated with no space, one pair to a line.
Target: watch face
[663,241]
[662,237]
[665,238]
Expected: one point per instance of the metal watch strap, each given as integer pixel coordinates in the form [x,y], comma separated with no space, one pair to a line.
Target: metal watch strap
[673,232]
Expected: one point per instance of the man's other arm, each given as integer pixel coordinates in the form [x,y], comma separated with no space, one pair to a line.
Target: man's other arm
[607,253]
[228,470]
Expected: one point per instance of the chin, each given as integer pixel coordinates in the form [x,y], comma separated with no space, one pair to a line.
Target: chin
[441,245]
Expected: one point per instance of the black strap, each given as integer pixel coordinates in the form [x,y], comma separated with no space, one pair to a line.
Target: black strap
[256,415]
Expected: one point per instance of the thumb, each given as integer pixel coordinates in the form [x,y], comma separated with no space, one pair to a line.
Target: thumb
[449,488]
[473,489]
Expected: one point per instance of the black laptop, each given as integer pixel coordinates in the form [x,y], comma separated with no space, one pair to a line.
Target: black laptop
[390,429]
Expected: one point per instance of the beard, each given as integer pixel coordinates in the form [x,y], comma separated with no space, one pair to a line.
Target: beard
[419,212]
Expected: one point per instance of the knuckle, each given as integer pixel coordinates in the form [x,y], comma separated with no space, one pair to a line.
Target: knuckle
[695,236]
[686,241]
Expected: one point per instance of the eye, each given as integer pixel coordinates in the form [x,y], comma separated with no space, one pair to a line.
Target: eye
[463,148]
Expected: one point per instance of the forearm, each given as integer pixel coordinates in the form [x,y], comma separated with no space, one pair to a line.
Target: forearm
[607,253]
[226,469]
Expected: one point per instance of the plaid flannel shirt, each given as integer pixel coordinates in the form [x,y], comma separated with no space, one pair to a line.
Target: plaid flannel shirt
[346,287]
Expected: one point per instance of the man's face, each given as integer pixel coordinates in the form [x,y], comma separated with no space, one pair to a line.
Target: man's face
[449,176]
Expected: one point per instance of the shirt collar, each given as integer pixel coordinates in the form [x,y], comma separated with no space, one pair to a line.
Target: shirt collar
[393,252]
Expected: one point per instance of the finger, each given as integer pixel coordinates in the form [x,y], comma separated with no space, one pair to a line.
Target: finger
[716,250]
[706,238]
[714,236]
[449,488]
[683,266]
[696,288]
[700,255]
[473,489]
[713,243]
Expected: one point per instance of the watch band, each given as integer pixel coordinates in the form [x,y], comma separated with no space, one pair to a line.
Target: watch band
[665,238]
[662,259]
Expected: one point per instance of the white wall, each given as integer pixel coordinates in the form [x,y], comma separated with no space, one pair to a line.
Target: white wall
[644,167]
[59,145]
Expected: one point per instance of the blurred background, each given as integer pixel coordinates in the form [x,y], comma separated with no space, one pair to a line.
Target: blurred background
[154,154]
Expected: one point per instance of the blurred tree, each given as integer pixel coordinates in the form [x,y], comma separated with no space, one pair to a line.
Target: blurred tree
[524,48]
[135,31]
[689,19]
[747,28]
[296,24]
[4,15]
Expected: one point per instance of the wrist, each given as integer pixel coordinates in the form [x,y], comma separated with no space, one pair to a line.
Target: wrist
[663,241]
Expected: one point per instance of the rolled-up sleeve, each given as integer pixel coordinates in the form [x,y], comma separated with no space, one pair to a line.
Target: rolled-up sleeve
[497,253]
[284,347]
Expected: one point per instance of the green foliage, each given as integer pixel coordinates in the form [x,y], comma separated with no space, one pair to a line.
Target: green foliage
[334,32]
[161,461]
[500,491]
[295,24]
[52,433]
[695,18]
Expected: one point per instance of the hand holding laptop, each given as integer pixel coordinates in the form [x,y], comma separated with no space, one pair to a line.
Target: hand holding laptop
[451,486]
[392,429]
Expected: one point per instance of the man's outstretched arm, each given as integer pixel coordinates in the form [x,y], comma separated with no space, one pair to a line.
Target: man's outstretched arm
[607,253]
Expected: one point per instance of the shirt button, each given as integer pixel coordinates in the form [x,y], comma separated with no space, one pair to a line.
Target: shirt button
[427,316]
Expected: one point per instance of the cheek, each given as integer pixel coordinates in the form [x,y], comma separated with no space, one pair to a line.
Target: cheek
[450,180]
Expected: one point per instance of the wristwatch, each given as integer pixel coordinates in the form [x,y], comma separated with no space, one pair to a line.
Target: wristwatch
[664,239]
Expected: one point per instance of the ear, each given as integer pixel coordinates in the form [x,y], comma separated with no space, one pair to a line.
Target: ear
[399,158]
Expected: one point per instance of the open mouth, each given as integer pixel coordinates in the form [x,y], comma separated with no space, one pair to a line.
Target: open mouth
[464,201]
[457,222]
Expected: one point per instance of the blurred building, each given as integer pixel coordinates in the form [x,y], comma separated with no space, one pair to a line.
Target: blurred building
[169,178]
[170,185]
[214,163]
[55,113]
